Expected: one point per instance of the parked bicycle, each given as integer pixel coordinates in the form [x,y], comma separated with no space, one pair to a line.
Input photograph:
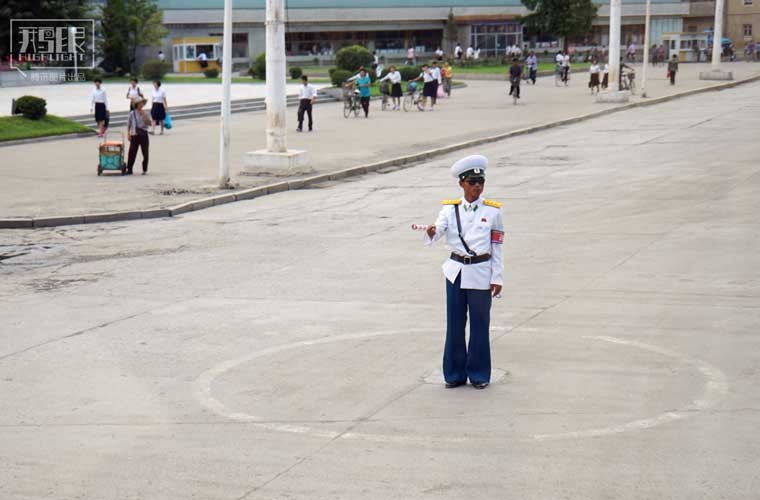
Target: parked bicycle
[385,91]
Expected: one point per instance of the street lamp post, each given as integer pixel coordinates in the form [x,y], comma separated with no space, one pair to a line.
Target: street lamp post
[224,134]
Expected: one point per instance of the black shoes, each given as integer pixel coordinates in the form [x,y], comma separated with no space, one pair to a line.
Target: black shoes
[480,385]
[451,385]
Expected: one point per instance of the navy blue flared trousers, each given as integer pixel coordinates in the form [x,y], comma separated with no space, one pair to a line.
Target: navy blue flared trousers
[460,360]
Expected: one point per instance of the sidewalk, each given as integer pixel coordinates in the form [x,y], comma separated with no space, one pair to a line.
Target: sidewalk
[73,99]
[59,177]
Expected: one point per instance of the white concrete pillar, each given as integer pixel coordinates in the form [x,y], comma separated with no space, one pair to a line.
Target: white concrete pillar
[276,159]
[647,19]
[717,35]
[224,134]
[276,98]
[615,20]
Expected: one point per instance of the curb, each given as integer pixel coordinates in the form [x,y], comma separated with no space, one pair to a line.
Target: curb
[402,161]
[46,138]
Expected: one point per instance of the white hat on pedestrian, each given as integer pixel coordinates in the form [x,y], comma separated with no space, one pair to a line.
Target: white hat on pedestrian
[469,166]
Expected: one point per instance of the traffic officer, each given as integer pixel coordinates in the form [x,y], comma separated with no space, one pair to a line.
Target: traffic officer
[474,230]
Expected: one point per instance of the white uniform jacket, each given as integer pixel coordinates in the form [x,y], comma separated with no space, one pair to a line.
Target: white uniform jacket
[483,230]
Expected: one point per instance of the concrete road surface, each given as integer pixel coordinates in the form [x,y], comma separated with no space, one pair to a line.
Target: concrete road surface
[289,347]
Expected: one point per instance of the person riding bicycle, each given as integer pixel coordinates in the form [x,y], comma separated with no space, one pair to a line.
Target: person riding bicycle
[620,75]
[515,73]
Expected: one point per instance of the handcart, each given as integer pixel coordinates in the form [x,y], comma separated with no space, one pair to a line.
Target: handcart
[111,155]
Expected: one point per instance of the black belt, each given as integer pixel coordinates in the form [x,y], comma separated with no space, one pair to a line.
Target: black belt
[470,260]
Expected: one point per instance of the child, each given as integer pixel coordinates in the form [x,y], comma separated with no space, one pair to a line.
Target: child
[673,69]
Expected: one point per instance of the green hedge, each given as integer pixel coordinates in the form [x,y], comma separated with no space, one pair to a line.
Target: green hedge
[339,76]
[211,73]
[155,69]
[409,72]
[31,107]
[258,67]
[296,72]
[353,57]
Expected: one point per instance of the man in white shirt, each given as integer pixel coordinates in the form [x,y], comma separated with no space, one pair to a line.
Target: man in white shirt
[435,71]
[474,230]
[470,52]
[307,94]
[203,60]
[458,51]
[439,54]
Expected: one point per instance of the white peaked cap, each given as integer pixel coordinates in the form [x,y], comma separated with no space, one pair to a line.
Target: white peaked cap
[476,163]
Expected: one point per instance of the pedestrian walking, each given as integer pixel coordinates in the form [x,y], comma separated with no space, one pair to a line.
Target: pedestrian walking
[99,105]
[364,83]
[439,54]
[437,82]
[458,51]
[532,62]
[448,74]
[515,73]
[161,56]
[473,229]
[594,71]
[673,69]
[137,132]
[606,76]
[632,52]
[307,94]
[566,68]
[134,93]
[428,87]
[396,93]
[410,56]
[158,107]
[470,52]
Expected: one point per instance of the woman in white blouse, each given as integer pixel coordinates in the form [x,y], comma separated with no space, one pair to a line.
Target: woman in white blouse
[99,104]
[395,78]
[594,71]
[158,108]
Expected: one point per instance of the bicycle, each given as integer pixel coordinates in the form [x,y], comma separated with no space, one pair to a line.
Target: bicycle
[350,101]
[385,91]
[412,97]
[628,82]
[557,74]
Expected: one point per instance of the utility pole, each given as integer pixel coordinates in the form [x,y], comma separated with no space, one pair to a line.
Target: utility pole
[646,49]
[224,136]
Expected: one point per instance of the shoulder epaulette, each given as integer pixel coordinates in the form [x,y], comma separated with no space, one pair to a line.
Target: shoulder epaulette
[451,202]
[490,203]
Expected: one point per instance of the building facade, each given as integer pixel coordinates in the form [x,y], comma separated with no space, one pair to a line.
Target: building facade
[319,28]
[743,22]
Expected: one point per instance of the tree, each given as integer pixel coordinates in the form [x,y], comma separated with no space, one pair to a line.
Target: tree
[564,18]
[451,33]
[353,57]
[127,25]
[24,9]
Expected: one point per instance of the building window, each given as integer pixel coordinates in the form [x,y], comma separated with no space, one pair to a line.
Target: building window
[240,45]
[692,28]
[747,2]
[747,28]
[493,39]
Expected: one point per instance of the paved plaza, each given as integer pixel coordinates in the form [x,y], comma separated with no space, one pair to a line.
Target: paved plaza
[289,347]
[59,177]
